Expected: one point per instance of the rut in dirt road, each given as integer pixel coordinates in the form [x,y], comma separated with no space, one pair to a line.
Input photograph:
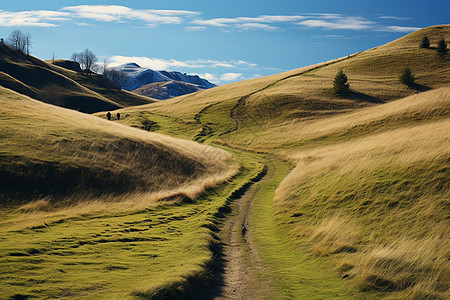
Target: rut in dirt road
[240,260]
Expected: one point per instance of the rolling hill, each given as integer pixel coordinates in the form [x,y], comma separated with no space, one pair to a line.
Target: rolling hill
[368,196]
[340,197]
[47,150]
[60,86]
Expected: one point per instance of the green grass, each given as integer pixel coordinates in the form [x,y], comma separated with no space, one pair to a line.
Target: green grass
[157,250]
[367,199]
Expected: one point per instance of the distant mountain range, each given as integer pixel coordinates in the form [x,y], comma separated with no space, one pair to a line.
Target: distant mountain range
[169,83]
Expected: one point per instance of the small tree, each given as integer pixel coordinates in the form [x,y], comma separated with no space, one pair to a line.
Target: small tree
[425,43]
[28,42]
[407,77]
[442,47]
[340,85]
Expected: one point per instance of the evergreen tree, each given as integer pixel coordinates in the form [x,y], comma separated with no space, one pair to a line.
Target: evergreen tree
[340,85]
[442,47]
[425,43]
[407,77]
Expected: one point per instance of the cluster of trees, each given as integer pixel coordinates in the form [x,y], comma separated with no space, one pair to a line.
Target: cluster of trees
[112,77]
[86,59]
[441,46]
[19,41]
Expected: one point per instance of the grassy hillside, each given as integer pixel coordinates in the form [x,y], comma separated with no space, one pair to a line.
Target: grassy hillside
[306,93]
[369,194]
[59,86]
[85,203]
[48,150]
[377,197]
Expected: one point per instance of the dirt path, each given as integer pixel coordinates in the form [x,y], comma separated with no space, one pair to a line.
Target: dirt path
[242,274]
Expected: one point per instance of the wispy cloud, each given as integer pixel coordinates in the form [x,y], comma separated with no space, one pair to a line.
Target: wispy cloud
[82,14]
[255,26]
[393,18]
[353,23]
[98,13]
[38,18]
[325,21]
[195,28]
[248,23]
[398,29]
[117,13]
[167,64]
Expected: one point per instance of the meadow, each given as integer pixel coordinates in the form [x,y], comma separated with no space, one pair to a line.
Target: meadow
[349,197]
[368,196]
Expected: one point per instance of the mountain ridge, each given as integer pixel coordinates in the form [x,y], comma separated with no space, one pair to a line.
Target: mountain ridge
[138,77]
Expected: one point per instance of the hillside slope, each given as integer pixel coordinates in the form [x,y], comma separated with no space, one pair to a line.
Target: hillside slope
[59,86]
[47,150]
[307,93]
[369,194]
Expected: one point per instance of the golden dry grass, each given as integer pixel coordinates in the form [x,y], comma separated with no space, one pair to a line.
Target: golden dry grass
[82,154]
[371,184]
[393,189]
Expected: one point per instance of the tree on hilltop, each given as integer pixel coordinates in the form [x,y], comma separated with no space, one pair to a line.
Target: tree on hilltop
[86,59]
[19,41]
[407,77]
[425,43]
[340,85]
[442,47]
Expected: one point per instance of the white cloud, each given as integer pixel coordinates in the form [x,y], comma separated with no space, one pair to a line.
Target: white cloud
[166,64]
[230,76]
[248,23]
[217,22]
[398,29]
[271,19]
[210,77]
[39,18]
[393,18]
[117,13]
[100,13]
[195,28]
[253,26]
[352,23]
[153,63]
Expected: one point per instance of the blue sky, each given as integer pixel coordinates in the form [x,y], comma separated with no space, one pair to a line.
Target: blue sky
[224,41]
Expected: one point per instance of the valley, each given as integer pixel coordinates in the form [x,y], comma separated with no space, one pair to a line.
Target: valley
[269,188]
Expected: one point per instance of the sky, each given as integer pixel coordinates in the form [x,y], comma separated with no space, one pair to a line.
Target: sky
[222,41]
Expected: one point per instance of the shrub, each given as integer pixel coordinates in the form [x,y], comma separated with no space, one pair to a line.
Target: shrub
[340,85]
[425,43]
[407,77]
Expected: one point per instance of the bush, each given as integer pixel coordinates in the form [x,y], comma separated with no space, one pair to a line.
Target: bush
[425,43]
[340,85]
[407,77]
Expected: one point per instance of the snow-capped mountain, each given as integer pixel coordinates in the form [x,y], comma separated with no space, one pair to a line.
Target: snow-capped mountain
[166,89]
[138,77]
